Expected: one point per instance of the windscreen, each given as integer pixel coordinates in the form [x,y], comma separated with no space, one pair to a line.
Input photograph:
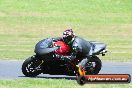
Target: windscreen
[47,43]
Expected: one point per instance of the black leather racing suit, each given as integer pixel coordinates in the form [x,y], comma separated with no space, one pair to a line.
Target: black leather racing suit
[80,49]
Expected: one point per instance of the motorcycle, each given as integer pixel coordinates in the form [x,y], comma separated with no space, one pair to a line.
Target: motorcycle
[44,61]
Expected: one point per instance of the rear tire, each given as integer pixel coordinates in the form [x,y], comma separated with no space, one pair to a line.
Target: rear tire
[97,68]
[28,67]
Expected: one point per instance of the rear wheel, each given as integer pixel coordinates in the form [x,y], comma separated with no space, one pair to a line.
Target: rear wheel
[93,66]
[31,67]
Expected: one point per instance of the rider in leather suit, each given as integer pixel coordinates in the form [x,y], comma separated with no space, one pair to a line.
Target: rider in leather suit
[80,47]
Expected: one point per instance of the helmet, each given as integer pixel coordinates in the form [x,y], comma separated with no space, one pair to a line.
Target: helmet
[68,36]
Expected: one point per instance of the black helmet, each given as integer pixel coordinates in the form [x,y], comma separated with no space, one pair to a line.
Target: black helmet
[68,36]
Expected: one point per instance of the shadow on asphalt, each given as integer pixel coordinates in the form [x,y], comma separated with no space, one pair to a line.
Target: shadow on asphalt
[53,77]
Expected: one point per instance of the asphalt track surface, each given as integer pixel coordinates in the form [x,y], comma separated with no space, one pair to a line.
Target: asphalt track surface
[12,70]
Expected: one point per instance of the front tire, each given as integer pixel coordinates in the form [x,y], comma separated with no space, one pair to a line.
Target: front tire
[29,67]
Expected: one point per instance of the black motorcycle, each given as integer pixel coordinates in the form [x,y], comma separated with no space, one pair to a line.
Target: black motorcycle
[44,61]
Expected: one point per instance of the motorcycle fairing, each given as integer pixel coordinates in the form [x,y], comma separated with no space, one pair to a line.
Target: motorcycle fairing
[64,48]
[97,47]
[45,51]
[45,46]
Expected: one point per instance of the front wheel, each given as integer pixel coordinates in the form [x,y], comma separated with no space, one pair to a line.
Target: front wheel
[93,66]
[31,67]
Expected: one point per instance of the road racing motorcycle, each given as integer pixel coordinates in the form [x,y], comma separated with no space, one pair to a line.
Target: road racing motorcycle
[44,61]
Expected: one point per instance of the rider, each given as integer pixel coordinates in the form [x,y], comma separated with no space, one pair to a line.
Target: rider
[80,47]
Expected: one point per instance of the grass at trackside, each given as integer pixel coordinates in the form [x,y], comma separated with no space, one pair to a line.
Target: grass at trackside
[54,83]
[23,23]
